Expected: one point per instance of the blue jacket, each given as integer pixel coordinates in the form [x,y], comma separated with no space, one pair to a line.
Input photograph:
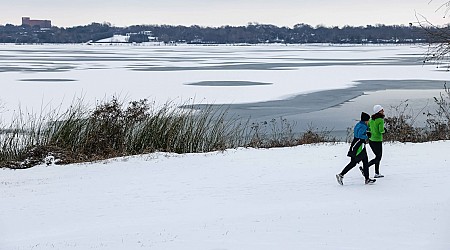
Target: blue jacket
[360,130]
[357,145]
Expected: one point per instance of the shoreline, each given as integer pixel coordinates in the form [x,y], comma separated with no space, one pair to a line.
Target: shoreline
[324,108]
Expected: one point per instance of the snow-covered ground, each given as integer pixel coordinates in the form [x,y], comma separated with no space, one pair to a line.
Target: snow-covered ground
[284,198]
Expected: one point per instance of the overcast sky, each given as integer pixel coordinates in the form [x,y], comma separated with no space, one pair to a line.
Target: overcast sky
[67,13]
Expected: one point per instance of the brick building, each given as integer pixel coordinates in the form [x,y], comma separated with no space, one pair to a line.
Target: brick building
[40,23]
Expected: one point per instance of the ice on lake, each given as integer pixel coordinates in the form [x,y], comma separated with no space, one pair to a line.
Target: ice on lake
[311,84]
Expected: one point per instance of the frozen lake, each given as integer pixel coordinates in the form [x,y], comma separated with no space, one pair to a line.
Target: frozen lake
[326,86]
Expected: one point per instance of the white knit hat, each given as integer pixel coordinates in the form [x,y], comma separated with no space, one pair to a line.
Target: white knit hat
[377,108]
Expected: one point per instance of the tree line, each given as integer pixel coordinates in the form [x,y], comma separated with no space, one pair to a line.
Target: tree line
[252,33]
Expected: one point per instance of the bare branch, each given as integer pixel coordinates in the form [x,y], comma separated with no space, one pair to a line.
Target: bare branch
[439,37]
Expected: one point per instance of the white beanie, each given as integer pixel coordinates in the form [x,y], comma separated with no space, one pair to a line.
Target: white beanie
[377,108]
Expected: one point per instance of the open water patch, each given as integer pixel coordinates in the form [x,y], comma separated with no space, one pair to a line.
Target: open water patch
[316,107]
[47,80]
[228,83]
[33,69]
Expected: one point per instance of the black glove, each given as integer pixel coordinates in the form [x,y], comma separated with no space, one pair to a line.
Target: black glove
[369,134]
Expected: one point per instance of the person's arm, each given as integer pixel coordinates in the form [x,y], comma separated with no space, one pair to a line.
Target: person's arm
[362,132]
[381,127]
[354,147]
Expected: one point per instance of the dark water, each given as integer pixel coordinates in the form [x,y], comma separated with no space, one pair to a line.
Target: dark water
[337,110]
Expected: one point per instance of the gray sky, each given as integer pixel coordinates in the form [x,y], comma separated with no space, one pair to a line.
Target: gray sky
[69,13]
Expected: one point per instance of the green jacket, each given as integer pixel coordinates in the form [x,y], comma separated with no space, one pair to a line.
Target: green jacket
[376,127]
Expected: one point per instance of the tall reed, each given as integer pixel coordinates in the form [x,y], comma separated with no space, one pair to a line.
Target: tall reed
[114,128]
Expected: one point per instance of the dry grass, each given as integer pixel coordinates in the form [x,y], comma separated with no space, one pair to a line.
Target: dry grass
[114,128]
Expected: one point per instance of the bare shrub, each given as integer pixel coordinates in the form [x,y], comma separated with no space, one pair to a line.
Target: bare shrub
[438,122]
[400,125]
[279,133]
[313,135]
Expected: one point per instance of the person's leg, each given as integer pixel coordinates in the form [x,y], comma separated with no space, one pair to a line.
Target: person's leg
[372,146]
[377,150]
[378,157]
[349,166]
[365,161]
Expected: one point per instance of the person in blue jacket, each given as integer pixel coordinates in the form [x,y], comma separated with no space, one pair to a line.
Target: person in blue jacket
[357,151]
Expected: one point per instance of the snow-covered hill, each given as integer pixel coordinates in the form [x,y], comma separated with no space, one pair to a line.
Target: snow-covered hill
[284,198]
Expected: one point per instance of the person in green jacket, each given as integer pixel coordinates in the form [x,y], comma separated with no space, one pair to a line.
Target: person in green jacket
[376,128]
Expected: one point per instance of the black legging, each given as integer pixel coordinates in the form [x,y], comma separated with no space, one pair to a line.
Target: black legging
[377,148]
[355,160]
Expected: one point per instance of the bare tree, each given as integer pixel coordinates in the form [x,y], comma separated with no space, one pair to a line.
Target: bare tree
[444,7]
[438,36]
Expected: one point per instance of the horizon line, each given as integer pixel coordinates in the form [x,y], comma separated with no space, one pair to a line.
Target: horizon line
[230,25]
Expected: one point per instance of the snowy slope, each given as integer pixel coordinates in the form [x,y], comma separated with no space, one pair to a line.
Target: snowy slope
[241,199]
[114,39]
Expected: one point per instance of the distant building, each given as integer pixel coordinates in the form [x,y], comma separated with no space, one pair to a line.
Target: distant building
[40,23]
